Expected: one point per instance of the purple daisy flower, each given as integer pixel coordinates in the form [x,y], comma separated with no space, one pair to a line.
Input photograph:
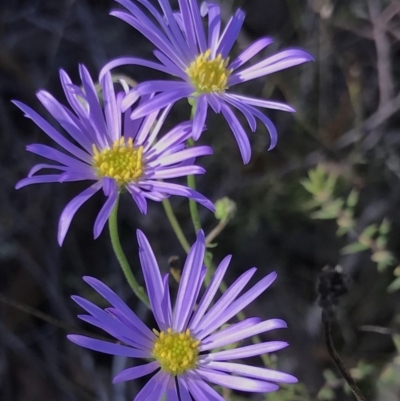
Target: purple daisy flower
[111,150]
[181,352]
[201,62]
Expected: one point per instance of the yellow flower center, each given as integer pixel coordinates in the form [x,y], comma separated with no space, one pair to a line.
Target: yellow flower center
[122,162]
[209,75]
[176,352]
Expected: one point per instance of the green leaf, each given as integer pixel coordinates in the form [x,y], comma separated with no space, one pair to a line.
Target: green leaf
[394,285]
[309,186]
[354,248]
[383,259]
[381,242]
[369,231]
[384,228]
[396,341]
[352,199]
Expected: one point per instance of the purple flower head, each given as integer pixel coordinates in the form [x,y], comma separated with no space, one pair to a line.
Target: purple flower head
[181,352]
[108,148]
[201,63]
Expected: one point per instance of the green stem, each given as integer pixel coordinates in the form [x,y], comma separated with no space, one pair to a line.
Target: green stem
[175,225]
[194,213]
[123,261]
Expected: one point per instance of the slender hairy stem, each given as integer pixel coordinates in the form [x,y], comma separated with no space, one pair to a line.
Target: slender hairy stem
[194,213]
[123,261]
[326,321]
[175,225]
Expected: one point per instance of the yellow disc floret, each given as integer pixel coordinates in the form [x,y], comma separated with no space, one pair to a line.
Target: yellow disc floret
[176,352]
[123,162]
[208,75]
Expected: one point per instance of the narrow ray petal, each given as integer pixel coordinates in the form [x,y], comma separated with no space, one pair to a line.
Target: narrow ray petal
[136,372]
[106,347]
[236,382]
[71,208]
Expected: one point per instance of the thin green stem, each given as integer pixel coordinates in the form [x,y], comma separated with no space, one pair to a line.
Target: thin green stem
[175,225]
[123,261]
[194,213]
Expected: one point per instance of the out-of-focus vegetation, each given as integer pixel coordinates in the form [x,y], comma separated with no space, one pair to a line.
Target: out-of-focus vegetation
[328,194]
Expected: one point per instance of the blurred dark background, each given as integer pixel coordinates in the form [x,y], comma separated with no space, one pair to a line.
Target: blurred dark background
[347,121]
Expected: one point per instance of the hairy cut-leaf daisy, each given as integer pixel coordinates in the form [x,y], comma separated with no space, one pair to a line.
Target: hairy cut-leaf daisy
[184,352]
[200,59]
[105,146]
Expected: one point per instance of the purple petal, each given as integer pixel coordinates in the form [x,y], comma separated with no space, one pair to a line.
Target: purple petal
[138,197]
[223,337]
[198,25]
[54,154]
[250,52]
[64,119]
[136,372]
[155,388]
[252,371]
[166,302]
[180,45]
[176,37]
[200,389]
[269,104]
[111,110]
[148,87]
[183,389]
[95,110]
[53,133]
[172,392]
[152,278]
[72,207]
[188,27]
[144,130]
[244,108]
[77,176]
[39,179]
[280,61]
[253,112]
[120,305]
[173,172]
[199,117]
[188,286]
[214,26]
[231,33]
[117,329]
[210,322]
[236,382]
[236,306]
[247,351]
[214,101]
[238,132]
[177,135]
[160,101]
[131,60]
[151,136]
[107,348]
[41,166]
[174,70]
[210,292]
[269,125]
[183,155]
[104,213]
[176,189]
